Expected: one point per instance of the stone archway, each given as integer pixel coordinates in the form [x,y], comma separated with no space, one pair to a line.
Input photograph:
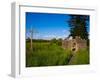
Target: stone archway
[74,47]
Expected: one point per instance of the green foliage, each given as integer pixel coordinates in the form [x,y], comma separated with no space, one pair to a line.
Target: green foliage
[46,54]
[59,42]
[81,57]
[56,41]
[53,41]
[78,26]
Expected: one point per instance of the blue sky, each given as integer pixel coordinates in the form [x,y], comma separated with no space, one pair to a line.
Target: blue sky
[47,25]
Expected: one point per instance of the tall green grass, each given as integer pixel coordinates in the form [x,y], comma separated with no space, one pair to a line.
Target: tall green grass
[45,54]
[80,57]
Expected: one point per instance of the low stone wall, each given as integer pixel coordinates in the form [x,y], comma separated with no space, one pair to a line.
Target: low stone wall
[74,44]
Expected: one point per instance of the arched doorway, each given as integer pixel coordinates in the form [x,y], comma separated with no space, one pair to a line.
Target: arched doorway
[74,47]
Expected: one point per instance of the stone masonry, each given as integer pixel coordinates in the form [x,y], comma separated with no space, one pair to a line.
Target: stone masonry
[74,44]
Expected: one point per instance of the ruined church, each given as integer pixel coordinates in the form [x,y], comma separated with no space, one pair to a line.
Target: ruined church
[74,44]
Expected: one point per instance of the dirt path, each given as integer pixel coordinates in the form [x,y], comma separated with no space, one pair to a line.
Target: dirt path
[71,59]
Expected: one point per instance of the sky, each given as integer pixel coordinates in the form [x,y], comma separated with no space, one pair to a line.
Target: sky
[47,25]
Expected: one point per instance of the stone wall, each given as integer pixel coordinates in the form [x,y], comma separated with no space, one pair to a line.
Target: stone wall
[74,44]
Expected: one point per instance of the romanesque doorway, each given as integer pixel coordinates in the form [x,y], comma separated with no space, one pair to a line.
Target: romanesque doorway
[74,47]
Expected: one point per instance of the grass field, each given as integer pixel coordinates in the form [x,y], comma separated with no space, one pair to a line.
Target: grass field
[81,57]
[51,54]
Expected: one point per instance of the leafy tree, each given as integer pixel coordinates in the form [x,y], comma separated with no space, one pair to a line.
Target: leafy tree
[78,26]
[57,41]
[60,41]
[53,41]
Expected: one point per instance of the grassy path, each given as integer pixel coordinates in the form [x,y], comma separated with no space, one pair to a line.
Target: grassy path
[81,57]
[71,59]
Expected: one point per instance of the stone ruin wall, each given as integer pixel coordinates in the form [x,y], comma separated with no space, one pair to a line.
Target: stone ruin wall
[76,44]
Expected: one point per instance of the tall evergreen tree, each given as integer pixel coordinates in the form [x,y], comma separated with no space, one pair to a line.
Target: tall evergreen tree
[78,26]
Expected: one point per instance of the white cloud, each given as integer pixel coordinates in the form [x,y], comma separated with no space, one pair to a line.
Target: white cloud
[49,36]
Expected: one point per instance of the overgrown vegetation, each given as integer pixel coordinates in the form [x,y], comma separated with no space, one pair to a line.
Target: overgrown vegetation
[46,54]
[51,54]
[41,51]
[81,57]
